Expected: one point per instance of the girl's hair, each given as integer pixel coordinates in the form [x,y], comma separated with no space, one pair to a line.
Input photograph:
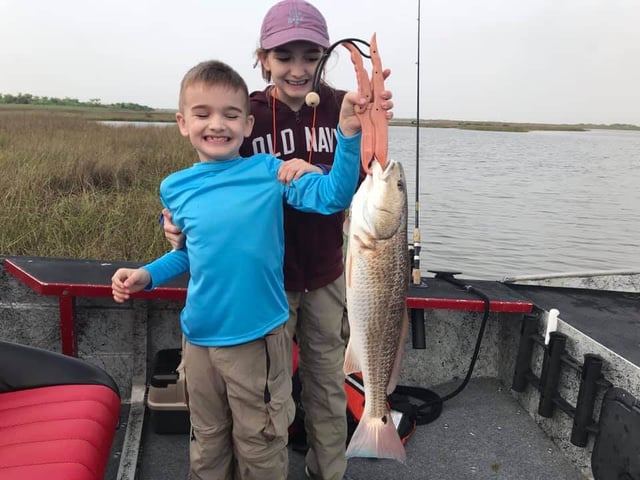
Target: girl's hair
[262,53]
[214,72]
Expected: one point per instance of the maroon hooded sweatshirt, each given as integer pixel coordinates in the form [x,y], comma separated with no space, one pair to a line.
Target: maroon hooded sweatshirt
[313,243]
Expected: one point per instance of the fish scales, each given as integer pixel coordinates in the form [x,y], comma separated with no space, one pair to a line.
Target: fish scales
[381,277]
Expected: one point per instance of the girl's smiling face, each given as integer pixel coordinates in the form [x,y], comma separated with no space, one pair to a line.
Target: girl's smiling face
[292,66]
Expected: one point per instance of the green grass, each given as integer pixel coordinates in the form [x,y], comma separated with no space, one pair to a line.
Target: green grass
[74,188]
[91,113]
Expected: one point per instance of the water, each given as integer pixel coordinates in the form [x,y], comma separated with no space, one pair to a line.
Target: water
[495,204]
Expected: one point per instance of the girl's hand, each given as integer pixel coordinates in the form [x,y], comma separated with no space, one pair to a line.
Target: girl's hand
[385,96]
[349,121]
[171,232]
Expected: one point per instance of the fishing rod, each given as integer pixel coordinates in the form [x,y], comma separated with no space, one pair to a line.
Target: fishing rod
[416,275]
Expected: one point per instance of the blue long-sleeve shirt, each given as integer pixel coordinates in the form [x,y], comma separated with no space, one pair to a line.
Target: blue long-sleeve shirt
[231,212]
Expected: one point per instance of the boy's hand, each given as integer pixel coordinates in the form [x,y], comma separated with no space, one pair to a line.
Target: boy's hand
[127,281]
[294,169]
[171,232]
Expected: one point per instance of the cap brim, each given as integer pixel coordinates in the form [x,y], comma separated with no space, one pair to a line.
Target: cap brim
[292,35]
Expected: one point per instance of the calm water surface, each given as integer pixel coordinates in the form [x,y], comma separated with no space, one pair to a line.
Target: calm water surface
[494,204]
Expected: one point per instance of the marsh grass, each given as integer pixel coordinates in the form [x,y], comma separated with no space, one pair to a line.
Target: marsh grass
[92,113]
[73,188]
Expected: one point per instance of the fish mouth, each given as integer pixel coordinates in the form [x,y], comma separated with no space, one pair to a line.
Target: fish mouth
[388,168]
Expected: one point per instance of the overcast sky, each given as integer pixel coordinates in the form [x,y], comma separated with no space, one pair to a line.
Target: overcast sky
[556,61]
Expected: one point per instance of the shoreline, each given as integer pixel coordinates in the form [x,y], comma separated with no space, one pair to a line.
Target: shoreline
[112,114]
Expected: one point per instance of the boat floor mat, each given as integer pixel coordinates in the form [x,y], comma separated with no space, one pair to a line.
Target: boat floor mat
[616,452]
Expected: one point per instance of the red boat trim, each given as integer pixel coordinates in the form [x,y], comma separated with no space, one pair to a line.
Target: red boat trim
[437,295]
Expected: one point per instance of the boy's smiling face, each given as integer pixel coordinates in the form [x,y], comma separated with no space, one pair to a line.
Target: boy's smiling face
[216,120]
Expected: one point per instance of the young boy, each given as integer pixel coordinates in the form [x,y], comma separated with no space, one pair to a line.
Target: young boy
[231,210]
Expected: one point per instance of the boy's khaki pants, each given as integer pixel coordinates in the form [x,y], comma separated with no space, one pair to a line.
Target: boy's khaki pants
[317,319]
[239,419]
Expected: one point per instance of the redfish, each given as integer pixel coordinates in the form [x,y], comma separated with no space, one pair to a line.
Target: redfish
[377,278]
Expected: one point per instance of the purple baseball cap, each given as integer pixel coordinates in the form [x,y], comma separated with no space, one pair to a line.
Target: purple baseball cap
[291,20]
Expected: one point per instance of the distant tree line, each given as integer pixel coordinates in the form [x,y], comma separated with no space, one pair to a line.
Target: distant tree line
[28,99]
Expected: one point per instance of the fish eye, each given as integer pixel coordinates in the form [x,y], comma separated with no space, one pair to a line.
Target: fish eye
[400,184]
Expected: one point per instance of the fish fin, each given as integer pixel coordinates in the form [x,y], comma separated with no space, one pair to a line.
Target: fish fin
[347,268]
[365,240]
[397,364]
[351,363]
[375,438]
[346,225]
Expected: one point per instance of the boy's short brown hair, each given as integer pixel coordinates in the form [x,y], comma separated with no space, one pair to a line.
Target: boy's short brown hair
[214,72]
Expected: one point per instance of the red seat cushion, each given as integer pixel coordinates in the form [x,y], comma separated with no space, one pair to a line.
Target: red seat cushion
[58,432]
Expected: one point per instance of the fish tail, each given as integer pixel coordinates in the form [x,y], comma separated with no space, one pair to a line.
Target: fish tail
[376,438]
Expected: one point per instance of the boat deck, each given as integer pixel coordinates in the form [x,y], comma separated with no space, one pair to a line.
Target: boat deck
[483,433]
[610,318]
